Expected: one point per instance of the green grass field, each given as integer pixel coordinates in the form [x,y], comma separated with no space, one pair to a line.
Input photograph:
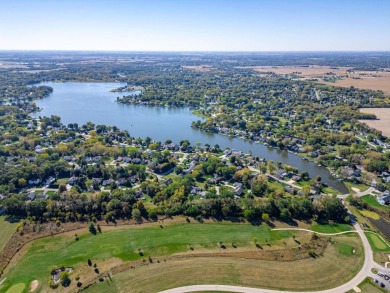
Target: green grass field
[362,187]
[372,201]
[377,244]
[63,250]
[336,228]
[6,231]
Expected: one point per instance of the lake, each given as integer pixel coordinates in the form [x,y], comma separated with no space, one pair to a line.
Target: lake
[83,102]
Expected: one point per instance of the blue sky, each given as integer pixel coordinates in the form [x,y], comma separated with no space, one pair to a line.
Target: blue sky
[195,25]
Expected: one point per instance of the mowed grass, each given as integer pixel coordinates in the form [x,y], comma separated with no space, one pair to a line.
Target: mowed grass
[329,228]
[372,201]
[7,229]
[377,244]
[123,243]
[17,288]
[370,214]
[361,187]
[333,269]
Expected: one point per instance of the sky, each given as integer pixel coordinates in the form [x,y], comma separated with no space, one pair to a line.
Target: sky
[195,25]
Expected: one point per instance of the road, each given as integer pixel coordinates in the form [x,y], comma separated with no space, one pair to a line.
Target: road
[361,275]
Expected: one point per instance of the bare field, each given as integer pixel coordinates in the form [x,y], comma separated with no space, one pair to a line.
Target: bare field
[374,80]
[383,124]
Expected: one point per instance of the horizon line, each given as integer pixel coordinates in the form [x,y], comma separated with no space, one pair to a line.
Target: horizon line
[196,51]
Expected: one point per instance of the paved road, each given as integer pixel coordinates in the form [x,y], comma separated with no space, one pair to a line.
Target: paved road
[361,275]
[359,194]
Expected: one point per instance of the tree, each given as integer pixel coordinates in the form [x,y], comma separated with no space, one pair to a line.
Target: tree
[265,217]
[92,228]
[65,279]
[249,214]
[259,185]
[136,215]
[271,167]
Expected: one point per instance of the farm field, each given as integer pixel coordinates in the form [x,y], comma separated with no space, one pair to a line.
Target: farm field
[383,114]
[125,244]
[336,267]
[374,80]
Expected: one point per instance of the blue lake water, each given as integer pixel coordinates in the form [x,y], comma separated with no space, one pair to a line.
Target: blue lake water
[83,102]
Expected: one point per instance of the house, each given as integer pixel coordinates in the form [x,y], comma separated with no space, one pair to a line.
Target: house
[96,181]
[34,181]
[68,158]
[42,196]
[289,189]
[127,160]
[195,190]
[296,178]
[31,195]
[136,161]
[72,180]
[122,181]
[168,181]
[385,199]
[238,190]
[107,182]
[49,180]
[38,149]
[139,194]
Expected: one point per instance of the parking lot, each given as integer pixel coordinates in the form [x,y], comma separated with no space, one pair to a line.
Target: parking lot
[383,280]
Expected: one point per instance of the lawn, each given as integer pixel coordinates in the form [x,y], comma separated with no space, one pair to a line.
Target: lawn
[372,201]
[123,244]
[377,244]
[331,228]
[333,269]
[6,231]
[362,187]
[330,190]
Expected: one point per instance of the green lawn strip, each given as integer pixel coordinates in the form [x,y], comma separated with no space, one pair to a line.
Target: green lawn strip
[6,231]
[331,228]
[377,244]
[52,252]
[330,190]
[372,201]
[51,192]
[362,187]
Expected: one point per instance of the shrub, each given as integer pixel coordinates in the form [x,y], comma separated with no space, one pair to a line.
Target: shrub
[53,285]
[64,279]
